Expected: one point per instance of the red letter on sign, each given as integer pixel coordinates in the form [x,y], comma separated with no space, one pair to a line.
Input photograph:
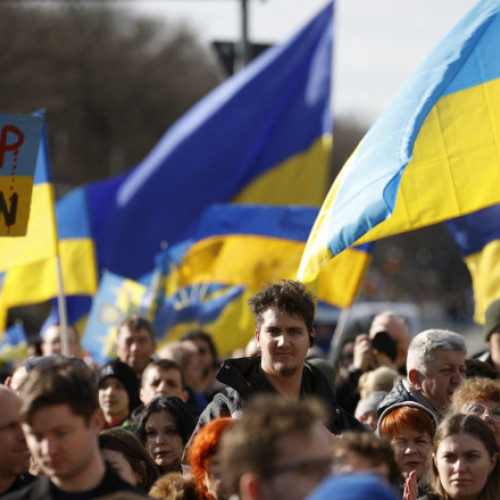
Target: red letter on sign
[4,145]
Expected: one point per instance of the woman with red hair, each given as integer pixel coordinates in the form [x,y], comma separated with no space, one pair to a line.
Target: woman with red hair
[204,461]
[410,428]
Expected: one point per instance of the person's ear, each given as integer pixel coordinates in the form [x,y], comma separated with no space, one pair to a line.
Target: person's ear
[97,421]
[494,459]
[414,378]
[312,336]
[141,395]
[250,487]
[185,396]
[257,335]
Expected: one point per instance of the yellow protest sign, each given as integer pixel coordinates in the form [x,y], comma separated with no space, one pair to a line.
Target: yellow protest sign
[19,143]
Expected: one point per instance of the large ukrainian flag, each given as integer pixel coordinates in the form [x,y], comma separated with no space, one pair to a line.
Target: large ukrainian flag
[263,136]
[431,156]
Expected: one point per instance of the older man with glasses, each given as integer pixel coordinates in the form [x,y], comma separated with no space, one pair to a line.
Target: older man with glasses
[481,397]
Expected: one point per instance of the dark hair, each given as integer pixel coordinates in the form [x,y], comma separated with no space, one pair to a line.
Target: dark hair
[136,323]
[249,445]
[181,413]
[165,365]
[126,376]
[476,368]
[377,449]
[460,423]
[288,296]
[127,443]
[205,337]
[62,381]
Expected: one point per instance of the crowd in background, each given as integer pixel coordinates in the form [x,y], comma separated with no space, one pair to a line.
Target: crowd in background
[396,417]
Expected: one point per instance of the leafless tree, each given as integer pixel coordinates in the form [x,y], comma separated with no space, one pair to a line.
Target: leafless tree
[111,84]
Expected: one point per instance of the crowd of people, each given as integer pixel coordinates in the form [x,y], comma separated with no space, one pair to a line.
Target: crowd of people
[397,417]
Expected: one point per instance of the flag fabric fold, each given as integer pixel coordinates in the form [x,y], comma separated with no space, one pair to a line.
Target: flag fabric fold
[264,136]
[432,155]
[477,236]
[255,245]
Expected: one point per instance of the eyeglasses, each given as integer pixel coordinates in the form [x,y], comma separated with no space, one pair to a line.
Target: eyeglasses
[479,410]
[316,467]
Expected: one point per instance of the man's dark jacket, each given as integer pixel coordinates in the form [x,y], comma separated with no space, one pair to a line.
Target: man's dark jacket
[241,376]
[43,489]
[21,481]
[400,394]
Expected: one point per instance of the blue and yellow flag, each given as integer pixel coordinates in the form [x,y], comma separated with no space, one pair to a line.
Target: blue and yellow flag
[116,298]
[263,135]
[13,345]
[477,236]
[256,245]
[221,311]
[432,155]
[35,280]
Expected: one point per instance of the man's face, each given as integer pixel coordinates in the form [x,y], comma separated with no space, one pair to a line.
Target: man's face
[397,330]
[205,357]
[135,347]
[14,454]
[52,342]
[494,345]
[63,444]
[283,341]
[444,373]
[303,460]
[156,381]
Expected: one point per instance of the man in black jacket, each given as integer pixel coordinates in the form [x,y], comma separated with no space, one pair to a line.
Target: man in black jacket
[435,366]
[61,420]
[284,315]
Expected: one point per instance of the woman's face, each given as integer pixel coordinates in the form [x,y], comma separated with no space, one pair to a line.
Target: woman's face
[463,465]
[489,411]
[412,449]
[163,441]
[121,466]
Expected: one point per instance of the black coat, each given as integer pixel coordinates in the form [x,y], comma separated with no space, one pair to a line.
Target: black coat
[43,489]
[235,374]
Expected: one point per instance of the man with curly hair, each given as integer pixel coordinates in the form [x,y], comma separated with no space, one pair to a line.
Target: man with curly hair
[284,316]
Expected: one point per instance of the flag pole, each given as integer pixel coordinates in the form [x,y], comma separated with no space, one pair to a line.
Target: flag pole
[61,305]
[338,337]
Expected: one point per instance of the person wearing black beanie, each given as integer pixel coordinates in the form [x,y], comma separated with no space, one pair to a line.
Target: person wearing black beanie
[118,393]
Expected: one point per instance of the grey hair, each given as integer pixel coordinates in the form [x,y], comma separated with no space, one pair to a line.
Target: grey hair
[423,345]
